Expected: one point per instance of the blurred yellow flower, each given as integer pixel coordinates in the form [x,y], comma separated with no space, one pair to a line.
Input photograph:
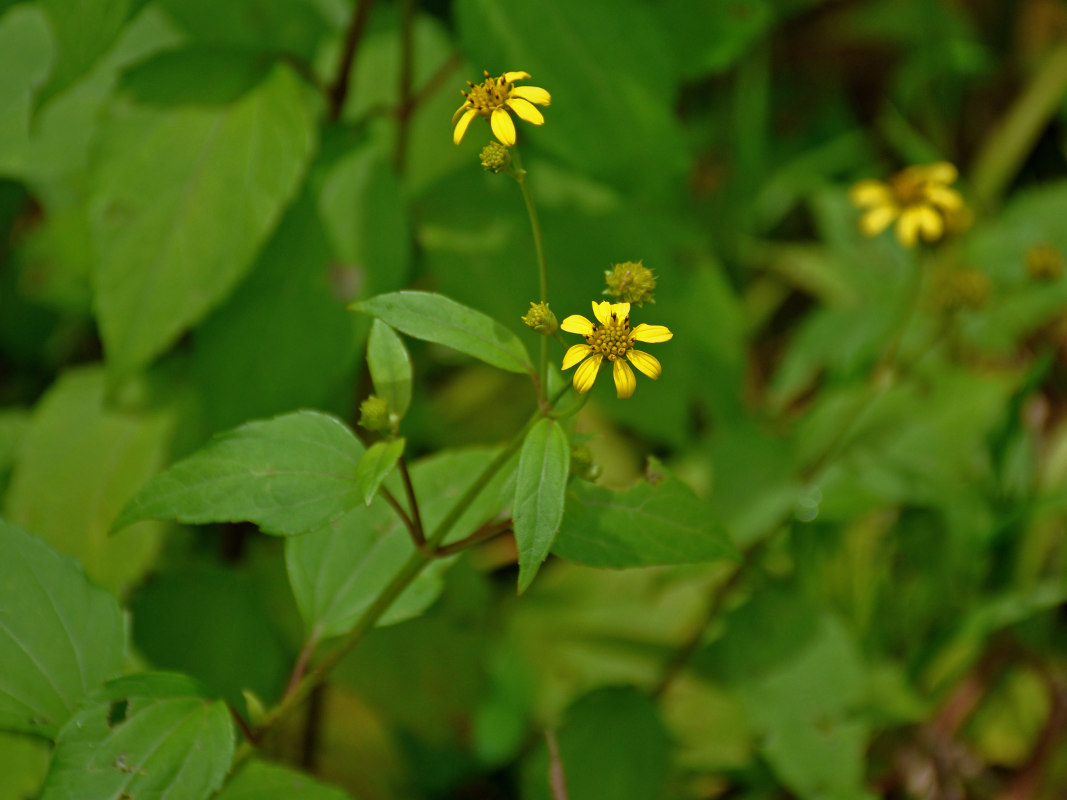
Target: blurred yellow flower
[920,199]
[494,98]
[614,340]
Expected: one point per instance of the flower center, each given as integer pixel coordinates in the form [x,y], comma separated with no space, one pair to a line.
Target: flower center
[612,340]
[488,95]
[909,189]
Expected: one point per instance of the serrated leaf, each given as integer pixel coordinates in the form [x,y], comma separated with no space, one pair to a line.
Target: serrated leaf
[288,475]
[540,490]
[375,466]
[261,781]
[648,524]
[147,735]
[390,367]
[184,199]
[60,637]
[339,569]
[436,318]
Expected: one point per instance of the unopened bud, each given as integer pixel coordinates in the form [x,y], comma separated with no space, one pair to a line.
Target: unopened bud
[541,319]
[630,282]
[495,157]
[374,413]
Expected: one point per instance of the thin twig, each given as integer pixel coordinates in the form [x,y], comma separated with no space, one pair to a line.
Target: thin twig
[557,779]
[413,503]
[338,90]
[487,531]
[302,662]
[242,723]
[407,64]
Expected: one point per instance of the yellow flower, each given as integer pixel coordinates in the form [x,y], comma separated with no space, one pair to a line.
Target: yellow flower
[493,98]
[614,340]
[920,199]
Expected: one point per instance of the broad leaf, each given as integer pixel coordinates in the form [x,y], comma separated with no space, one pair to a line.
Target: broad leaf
[288,475]
[540,488]
[390,367]
[60,637]
[147,735]
[184,199]
[261,781]
[661,522]
[436,318]
[338,570]
[375,466]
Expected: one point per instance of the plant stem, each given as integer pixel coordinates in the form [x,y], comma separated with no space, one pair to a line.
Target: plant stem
[539,246]
[407,60]
[338,90]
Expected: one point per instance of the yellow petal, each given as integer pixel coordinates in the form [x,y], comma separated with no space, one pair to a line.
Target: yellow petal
[649,365]
[651,333]
[870,193]
[525,110]
[625,382]
[602,312]
[916,219]
[575,354]
[461,126]
[943,197]
[511,77]
[503,127]
[931,224]
[620,310]
[877,220]
[576,323]
[535,94]
[941,172]
[459,113]
[586,373]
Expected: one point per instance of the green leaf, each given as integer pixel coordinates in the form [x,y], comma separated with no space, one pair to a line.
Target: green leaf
[657,522]
[338,570]
[60,637]
[612,744]
[540,490]
[147,735]
[79,463]
[23,763]
[436,318]
[185,197]
[199,74]
[260,781]
[390,367]
[288,475]
[375,466]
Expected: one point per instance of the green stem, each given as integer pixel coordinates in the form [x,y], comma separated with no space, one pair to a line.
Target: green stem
[539,246]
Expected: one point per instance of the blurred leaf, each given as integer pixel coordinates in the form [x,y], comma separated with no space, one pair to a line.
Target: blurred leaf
[612,744]
[657,522]
[60,637]
[540,489]
[14,422]
[23,763]
[338,570]
[184,199]
[709,36]
[436,318]
[200,74]
[390,367]
[375,466]
[79,463]
[262,781]
[151,734]
[288,475]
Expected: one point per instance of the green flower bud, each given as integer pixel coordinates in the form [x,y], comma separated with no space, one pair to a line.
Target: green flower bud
[583,466]
[496,158]
[630,282]
[541,319]
[374,413]
[963,287]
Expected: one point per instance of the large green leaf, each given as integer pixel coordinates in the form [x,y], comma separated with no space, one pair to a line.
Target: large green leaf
[540,488]
[147,735]
[436,318]
[184,198]
[261,781]
[79,463]
[390,367]
[659,521]
[60,637]
[288,475]
[339,569]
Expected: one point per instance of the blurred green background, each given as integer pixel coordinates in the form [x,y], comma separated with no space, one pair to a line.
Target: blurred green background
[191,192]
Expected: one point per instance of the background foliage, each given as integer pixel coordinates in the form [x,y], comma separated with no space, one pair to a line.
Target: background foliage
[192,192]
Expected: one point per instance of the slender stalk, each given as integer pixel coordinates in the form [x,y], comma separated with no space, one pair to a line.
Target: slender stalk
[413,503]
[338,90]
[487,531]
[539,246]
[407,62]
[557,780]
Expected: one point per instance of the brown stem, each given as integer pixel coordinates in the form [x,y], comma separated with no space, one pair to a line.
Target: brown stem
[557,780]
[242,723]
[338,90]
[413,504]
[407,106]
[302,662]
[487,531]
[416,533]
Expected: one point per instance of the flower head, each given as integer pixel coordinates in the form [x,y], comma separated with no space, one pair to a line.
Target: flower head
[541,319]
[630,282]
[612,339]
[495,158]
[494,98]
[920,199]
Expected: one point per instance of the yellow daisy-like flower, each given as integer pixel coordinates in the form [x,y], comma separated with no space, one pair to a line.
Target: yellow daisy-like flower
[494,98]
[614,340]
[920,199]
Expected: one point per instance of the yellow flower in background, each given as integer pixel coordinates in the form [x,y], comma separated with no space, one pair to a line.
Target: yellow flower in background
[920,199]
[494,98]
[614,340]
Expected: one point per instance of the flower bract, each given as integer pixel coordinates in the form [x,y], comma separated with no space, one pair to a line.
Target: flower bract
[496,99]
[612,338]
[920,199]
